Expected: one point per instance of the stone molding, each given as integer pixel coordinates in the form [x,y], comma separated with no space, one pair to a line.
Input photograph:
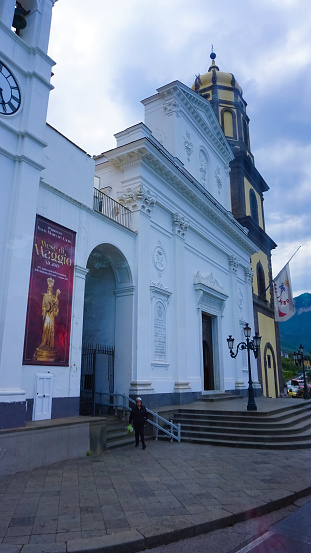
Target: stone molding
[211,297]
[181,386]
[141,386]
[249,273]
[137,198]
[233,264]
[209,281]
[188,145]
[80,272]
[171,105]
[180,225]
[192,191]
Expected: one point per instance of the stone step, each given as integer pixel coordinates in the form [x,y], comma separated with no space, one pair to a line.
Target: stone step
[244,416]
[286,445]
[250,431]
[218,397]
[247,425]
[240,437]
[116,433]
[284,428]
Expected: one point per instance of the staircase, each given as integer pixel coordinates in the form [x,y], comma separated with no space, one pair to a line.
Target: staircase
[211,398]
[116,433]
[287,428]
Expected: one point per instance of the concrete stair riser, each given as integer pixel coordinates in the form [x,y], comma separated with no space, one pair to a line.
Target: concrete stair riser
[284,428]
[251,431]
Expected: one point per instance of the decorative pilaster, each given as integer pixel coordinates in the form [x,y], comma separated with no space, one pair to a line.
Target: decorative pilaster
[171,105]
[180,225]
[233,264]
[138,198]
[76,330]
[233,268]
[249,274]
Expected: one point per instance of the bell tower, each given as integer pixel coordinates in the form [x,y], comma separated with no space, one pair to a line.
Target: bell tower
[25,72]
[247,188]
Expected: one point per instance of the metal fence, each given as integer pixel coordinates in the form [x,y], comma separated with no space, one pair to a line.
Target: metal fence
[111,208]
[91,368]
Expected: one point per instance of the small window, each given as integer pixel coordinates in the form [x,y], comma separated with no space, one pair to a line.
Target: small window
[269,361]
[261,281]
[253,206]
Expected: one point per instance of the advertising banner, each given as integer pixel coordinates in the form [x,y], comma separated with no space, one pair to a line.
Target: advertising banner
[48,321]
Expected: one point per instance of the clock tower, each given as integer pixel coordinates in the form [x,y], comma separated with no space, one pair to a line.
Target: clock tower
[25,72]
[247,188]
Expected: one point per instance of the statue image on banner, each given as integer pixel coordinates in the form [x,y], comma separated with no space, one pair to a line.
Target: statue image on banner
[48,320]
[50,309]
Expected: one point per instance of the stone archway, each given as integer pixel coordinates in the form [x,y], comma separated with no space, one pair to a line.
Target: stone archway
[108,313]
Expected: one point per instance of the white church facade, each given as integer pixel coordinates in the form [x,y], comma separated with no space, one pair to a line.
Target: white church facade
[149,263]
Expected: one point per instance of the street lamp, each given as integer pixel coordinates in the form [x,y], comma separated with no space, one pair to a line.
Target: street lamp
[299,360]
[253,345]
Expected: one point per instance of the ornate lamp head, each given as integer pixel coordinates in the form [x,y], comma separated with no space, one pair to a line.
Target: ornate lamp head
[230,341]
[247,331]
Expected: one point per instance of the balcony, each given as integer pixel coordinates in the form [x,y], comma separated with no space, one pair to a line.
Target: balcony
[112,209]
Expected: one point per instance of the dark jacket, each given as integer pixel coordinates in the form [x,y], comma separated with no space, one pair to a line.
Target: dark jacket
[138,416]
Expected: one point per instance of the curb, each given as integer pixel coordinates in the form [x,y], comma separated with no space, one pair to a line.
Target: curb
[142,538]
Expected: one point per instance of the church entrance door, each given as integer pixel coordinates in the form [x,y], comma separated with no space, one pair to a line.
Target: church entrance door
[208,366]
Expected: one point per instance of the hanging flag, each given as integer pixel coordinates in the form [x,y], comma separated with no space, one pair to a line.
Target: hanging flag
[284,306]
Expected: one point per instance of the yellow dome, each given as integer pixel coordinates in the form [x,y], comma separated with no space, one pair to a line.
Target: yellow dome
[224,79]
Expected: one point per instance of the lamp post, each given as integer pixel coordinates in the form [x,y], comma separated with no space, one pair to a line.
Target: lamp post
[299,360]
[249,345]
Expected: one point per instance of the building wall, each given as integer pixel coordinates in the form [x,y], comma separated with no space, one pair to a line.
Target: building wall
[247,188]
[270,377]
[261,257]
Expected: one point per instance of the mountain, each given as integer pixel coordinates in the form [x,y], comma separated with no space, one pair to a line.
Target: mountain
[297,330]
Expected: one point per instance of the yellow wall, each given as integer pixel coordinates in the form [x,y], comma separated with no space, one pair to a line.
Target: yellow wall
[267,333]
[247,187]
[227,95]
[228,124]
[260,256]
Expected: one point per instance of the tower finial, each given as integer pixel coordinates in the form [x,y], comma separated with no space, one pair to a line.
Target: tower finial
[213,55]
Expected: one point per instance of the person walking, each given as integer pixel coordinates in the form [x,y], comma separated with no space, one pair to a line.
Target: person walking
[139,416]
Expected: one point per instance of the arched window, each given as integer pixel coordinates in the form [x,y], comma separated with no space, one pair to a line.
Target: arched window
[228,123]
[253,206]
[261,281]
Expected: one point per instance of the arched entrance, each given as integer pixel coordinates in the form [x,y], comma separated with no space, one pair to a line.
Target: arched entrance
[107,327]
[270,372]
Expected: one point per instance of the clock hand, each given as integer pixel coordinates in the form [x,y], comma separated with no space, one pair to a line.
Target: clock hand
[2,100]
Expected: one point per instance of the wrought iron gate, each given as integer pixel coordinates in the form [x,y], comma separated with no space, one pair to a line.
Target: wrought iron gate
[97,376]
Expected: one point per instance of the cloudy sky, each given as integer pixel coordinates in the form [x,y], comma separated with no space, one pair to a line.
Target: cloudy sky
[110,55]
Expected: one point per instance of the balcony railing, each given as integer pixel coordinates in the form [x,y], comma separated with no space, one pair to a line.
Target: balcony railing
[112,209]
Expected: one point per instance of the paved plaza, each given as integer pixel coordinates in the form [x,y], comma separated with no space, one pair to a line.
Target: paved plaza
[127,499]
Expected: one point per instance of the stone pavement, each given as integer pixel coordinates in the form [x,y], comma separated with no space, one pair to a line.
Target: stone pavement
[128,499]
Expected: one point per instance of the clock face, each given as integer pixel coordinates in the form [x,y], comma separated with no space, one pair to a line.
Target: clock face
[10,96]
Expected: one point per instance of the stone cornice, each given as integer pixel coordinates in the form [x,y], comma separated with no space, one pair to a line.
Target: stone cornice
[181,96]
[149,151]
